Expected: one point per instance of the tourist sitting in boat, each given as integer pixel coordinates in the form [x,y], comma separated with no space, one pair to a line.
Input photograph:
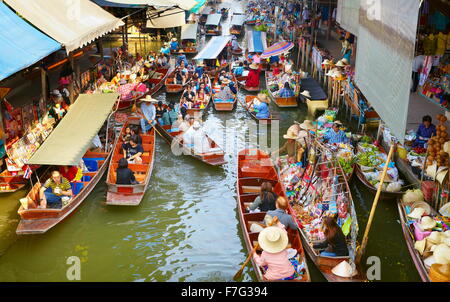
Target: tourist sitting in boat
[274,258]
[280,212]
[147,112]
[425,132]
[225,94]
[286,91]
[334,244]
[335,135]
[187,123]
[199,69]
[160,110]
[55,191]
[189,94]
[188,135]
[124,175]
[182,58]
[204,84]
[239,69]
[234,44]
[133,151]
[253,76]
[169,116]
[173,45]
[265,201]
[260,106]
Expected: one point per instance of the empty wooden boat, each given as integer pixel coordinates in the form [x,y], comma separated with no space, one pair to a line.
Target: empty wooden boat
[255,167]
[173,137]
[131,195]
[11,181]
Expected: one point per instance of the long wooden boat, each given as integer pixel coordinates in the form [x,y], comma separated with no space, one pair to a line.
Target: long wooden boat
[236,30]
[281,102]
[237,52]
[170,81]
[35,220]
[248,99]
[255,167]
[158,84]
[385,195]
[215,71]
[131,195]
[11,182]
[216,156]
[197,112]
[220,105]
[408,232]
[213,30]
[319,183]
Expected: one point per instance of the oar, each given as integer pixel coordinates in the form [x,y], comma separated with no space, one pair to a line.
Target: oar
[239,273]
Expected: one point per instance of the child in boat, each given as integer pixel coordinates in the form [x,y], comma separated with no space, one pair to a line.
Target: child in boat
[334,243]
[274,258]
[124,175]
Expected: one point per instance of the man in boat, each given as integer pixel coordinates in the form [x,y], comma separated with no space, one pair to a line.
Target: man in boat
[225,94]
[335,135]
[173,45]
[253,76]
[182,58]
[165,50]
[147,112]
[199,69]
[55,191]
[425,132]
[280,212]
[234,44]
[290,147]
[133,151]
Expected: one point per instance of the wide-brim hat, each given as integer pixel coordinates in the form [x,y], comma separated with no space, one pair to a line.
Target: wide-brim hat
[254,66]
[345,61]
[341,63]
[307,125]
[290,135]
[421,204]
[420,246]
[273,239]
[306,94]
[436,237]
[174,39]
[344,269]
[262,97]
[442,254]
[427,223]
[417,213]
[181,51]
[149,99]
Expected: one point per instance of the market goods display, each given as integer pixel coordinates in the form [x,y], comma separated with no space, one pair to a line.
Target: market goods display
[436,153]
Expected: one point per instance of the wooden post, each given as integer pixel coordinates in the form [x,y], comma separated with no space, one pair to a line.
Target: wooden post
[100,45]
[374,206]
[71,84]
[44,84]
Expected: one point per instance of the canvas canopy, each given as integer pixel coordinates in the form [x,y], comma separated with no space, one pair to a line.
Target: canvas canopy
[213,48]
[189,31]
[183,4]
[238,20]
[116,4]
[256,41]
[164,18]
[70,140]
[22,44]
[206,10]
[213,19]
[73,24]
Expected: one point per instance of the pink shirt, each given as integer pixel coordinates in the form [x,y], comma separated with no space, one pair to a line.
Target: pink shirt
[279,265]
[256,59]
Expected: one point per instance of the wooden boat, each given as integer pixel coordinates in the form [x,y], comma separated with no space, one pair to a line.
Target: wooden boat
[213,30]
[131,195]
[325,176]
[213,72]
[255,167]
[408,233]
[158,83]
[237,52]
[11,182]
[385,195]
[197,112]
[214,158]
[236,30]
[251,89]
[220,105]
[37,221]
[248,100]
[171,86]
[281,102]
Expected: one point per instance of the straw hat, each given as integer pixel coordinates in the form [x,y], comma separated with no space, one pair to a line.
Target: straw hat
[427,223]
[254,66]
[273,239]
[147,64]
[345,61]
[290,135]
[307,125]
[442,254]
[306,94]
[421,204]
[341,63]
[417,213]
[440,272]
[420,246]
[435,237]
[149,99]
[181,51]
[262,97]
[174,39]
[344,269]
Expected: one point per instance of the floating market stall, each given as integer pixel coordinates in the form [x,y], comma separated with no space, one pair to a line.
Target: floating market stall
[213,27]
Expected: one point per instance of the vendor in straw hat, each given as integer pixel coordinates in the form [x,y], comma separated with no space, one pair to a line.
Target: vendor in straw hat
[260,106]
[147,112]
[253,76]
[335,135]
[273,241]
[295,145]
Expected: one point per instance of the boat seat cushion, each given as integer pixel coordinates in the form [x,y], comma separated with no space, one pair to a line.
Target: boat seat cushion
[92,163]
[76,187]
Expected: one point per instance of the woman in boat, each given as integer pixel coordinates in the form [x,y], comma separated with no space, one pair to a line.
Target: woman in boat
[133,151]
[201,98]
[274,258]
[286,91]
[260,106]
[160,110]
[125,176]
[189,94]
[225,94]
[135,134]
[170,116]
[334,244]
[252,80]
[266,199]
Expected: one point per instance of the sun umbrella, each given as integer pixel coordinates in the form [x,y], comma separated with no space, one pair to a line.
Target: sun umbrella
[277,49]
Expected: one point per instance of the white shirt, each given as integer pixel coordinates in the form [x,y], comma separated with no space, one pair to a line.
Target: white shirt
[201,144]
[188,136]
[418,63]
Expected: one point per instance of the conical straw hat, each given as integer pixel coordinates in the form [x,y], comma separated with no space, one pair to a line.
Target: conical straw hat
[344,269]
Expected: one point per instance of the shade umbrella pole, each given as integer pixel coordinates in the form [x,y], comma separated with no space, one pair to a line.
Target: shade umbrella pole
[374,206]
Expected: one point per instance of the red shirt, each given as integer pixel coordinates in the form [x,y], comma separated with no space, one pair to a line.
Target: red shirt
[253,78]
[68,172]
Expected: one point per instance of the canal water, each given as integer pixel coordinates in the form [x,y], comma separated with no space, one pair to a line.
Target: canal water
[185,229]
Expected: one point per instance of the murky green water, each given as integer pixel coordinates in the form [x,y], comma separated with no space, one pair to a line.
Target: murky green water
[186,228]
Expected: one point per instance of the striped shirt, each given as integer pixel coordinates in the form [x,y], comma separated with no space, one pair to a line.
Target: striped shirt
[334,137]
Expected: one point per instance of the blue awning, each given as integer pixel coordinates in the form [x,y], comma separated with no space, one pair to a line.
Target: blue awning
[256,41]
[21,44]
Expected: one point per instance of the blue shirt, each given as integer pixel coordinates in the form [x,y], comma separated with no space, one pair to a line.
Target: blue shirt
[238,70]
[286,93]
[174,45]
[148,110]
[426,132]
[199,71]
[263,111]
[335,138]
[182,58]
[165,50]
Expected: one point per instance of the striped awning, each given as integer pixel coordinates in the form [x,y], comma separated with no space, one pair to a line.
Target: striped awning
[213,48]
[256,41]
[213,19]
[277,49]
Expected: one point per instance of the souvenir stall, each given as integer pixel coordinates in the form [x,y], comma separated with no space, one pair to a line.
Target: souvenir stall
[435,86]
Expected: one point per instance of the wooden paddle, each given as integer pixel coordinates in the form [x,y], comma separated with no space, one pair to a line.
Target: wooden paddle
[239,272]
